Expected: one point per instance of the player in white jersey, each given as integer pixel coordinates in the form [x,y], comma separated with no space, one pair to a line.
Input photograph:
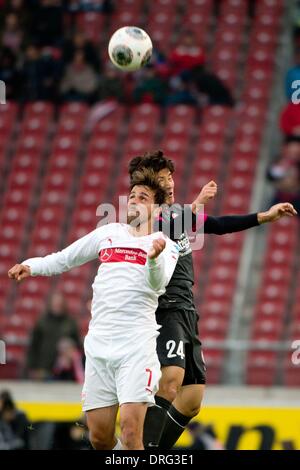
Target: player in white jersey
[122,366]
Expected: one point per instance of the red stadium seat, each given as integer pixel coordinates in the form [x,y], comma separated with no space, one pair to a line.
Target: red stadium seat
[27,308]
[36,125]
[39,109]
[236,203]
[230,241]
[270,309]
[220,291]
[226,256]
[261,368]
[214,360]
[41,248]
[221,273]
[269,329]
[50,216]
[35,287]
[73,109]
[10,233]
[213,326]
[9,250]
[5,265]
[291,376]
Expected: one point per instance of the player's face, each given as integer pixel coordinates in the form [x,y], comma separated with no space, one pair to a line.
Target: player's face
[140,204]
[166,181]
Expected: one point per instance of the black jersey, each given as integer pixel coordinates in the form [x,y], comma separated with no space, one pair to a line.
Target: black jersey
[177,222]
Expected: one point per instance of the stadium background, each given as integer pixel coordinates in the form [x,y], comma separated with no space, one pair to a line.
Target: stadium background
[62,154]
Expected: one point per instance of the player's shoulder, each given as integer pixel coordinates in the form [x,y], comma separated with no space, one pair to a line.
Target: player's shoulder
[111,228]
[172,211]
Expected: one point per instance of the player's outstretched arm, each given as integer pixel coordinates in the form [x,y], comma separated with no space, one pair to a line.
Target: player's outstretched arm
[276,212]
[19,272]
[207,193]
[237,223]
[83,250]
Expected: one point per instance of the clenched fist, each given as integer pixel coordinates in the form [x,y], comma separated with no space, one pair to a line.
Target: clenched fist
[19,272]
[158,246]
[207,193]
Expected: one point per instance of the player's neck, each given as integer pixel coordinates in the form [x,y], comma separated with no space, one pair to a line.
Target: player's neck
[141,230]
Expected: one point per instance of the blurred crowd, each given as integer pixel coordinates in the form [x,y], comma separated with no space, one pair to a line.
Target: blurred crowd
[18,433]
[14,425]
[284,172]
[44,55]
[55,349]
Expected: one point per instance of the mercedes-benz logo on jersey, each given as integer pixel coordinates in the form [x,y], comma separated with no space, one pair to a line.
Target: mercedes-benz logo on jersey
[106,254]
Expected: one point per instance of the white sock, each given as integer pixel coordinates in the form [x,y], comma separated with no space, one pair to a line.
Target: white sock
[118,445]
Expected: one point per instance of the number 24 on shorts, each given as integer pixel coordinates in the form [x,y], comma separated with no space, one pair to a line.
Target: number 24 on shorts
[171,346]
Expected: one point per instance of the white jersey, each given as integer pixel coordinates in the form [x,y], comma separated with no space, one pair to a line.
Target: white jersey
[127,285]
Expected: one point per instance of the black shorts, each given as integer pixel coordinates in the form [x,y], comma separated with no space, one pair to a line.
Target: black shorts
[178,343]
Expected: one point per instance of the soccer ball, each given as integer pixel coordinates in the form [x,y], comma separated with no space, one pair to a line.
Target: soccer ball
[130,48]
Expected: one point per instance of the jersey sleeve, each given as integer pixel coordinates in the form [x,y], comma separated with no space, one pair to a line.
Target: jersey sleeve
[230,223]
[160,270]
[81,251]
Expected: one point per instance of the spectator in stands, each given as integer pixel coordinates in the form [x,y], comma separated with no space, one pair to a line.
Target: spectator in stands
[38,75]
[111,84]
[17,6]
[14,425]
[285,175]
[53,326]
[80,82]
[47,22]
[187,55]
[103,6]
[208,84]
[150,87]
[293,74]
[12,35]
[8,73]
[68,364]
[79,42]
[71,436]
[290,120]
[181,92]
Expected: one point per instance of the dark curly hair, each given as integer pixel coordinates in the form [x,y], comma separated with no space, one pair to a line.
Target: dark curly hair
[147,177]
[154,160]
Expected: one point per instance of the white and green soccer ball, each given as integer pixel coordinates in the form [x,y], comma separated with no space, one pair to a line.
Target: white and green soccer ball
[130,48]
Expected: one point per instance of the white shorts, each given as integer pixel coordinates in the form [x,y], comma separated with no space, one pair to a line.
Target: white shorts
[119,372]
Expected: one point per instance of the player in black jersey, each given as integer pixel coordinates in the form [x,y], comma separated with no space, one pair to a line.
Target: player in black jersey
[178,346]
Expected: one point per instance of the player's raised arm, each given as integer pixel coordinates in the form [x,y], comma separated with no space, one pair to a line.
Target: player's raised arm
[237,223]
[161,262]
[83,250]
[207,193]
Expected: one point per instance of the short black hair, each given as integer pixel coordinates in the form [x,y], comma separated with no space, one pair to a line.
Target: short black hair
[154,160]
[147,177]
[7,401]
